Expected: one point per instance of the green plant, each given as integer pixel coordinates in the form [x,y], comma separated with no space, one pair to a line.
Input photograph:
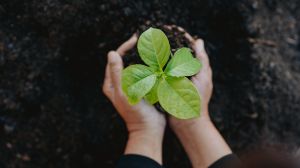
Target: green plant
[169,86]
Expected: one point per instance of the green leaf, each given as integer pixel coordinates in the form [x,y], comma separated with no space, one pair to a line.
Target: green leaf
[154,48]
[151,97]
[179,97]
[137,81]
[183,64]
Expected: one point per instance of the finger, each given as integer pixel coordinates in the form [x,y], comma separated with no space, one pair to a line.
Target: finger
[107,85]
[116,66]
[169,27]
[107,73]
[189,38]
[181,29]
[197,45]
[186,34]
[200,52]
[127,45]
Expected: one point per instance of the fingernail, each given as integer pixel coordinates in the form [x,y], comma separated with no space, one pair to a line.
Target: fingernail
[199,45]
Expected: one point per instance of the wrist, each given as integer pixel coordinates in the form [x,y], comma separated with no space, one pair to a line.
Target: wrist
[190,124]
[146,128]
[145,142]
[202,141]
[147,133]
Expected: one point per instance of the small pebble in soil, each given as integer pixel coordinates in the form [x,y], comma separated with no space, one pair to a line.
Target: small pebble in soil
[58,150]
[24,157]
[9,145]
[8,124]
[9,128]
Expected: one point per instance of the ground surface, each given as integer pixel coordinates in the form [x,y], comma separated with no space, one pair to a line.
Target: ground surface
[52,59]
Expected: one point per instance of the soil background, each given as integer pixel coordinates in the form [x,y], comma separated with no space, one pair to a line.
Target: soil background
[52,59]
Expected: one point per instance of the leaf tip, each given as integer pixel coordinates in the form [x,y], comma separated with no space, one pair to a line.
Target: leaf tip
[133,101]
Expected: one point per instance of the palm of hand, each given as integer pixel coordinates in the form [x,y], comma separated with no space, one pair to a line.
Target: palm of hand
[203,82]
[140,116]
[137,117]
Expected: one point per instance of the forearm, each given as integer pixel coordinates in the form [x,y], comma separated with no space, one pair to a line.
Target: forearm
[146,143]
[202,142]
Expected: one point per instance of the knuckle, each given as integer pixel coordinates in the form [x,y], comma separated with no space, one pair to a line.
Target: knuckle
[116,69]
[113,59]
[104,89]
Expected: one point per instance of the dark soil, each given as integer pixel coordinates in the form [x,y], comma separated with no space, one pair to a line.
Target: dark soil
[175,36]
[52,59]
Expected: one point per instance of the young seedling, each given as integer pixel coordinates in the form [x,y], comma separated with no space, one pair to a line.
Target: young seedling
[169,86]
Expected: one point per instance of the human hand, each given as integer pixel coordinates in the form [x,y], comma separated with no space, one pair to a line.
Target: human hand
[199,137]
[144,123]
[138,117]
[202,81]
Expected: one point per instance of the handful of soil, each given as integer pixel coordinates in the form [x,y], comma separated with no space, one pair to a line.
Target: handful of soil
[176,39]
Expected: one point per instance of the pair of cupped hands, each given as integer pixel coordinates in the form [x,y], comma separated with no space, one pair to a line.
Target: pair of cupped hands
[144,118]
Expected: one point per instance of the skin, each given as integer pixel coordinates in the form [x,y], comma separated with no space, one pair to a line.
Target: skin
[199,137]
[144,123]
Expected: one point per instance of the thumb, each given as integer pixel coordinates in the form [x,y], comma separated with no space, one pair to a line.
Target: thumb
[128,45]
[116,66]
[200,52]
